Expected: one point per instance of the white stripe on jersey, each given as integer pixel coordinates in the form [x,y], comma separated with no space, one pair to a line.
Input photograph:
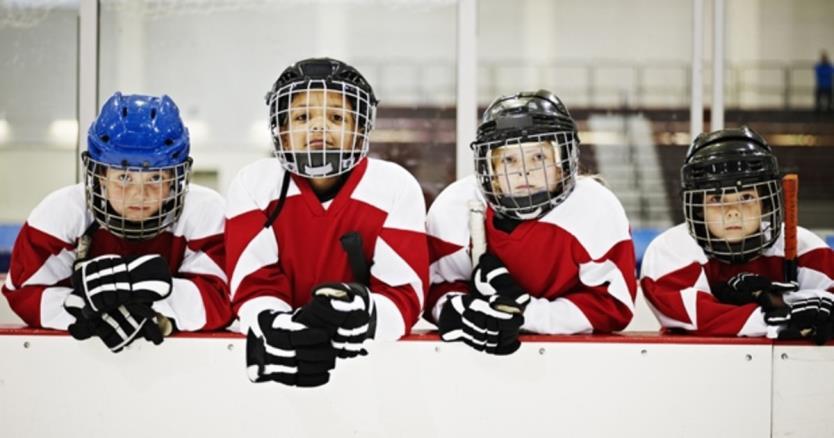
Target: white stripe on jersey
[670,251]
[52,312]
[184,305]
[56,268]
[558,317]
[597,274]
[391,269]
[403,214]
[246,194]
[200,263]
[581,214]
[62,214]
[261,251]
[202,214]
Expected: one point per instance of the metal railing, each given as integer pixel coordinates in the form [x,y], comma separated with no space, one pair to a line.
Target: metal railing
[601,83]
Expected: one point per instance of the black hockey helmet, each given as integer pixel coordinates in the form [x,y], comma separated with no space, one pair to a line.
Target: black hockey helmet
[519,121]
[331,76]
[728,162]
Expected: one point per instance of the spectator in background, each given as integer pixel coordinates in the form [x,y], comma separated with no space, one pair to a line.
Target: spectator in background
[824,72]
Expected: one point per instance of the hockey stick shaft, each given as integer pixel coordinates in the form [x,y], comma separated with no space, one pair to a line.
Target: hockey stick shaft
[85,242]
[790,193]
[477,236]
[477,233]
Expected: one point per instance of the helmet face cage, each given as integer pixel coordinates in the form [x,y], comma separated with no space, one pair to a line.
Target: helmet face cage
[133,202]
[525,177]
[748,215]
[321,127]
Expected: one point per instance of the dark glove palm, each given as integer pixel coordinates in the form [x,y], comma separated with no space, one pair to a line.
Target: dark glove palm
[810,318]
[746,288]
[475,322]
[117,328]
[282,349]
[346,312]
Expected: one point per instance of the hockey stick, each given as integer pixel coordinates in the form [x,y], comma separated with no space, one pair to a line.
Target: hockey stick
[790,193]
[477,233]
[790,197]
[477,236]
[85,242]
[352,245]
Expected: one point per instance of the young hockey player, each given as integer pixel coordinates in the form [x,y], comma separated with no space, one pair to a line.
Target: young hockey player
[326,247]
[721,272]
[559,257]
[133,250]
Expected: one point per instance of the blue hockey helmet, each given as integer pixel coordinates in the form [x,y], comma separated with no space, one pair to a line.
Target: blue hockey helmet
[138,131]
[143,139]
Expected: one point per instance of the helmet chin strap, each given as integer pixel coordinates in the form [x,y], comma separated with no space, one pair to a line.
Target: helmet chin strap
[319,165]
[524,207]
[531,215]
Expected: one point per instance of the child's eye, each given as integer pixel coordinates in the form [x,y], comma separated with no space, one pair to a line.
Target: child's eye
[123,178]
[538,156]
[301,117]
[713,199]
[508,160]
[155,178]
[747,197]
[338,118]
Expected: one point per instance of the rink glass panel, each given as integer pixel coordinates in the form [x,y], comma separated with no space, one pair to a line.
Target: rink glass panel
[219,79]
[38,122]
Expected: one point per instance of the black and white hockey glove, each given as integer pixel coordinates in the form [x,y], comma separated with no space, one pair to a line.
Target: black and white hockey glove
[746,288]
[109,281]
[117,328]
[810,316]
[474,321]
[281,349]
[492,282]
[346,312]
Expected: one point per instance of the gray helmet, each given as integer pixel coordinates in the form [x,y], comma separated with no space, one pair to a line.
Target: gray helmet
[527,125]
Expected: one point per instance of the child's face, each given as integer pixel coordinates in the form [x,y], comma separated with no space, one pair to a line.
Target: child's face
[733,216]
[309,126]
[525,169]
[136,196]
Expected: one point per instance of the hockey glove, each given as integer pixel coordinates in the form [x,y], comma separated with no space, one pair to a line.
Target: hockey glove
[281,349]
[117,328]
[346,312]
[482,327]
[810,317]
[108,281]
[746,288]
[492,282]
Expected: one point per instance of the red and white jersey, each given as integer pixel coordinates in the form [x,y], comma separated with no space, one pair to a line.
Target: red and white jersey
[41,266]
[275,266]
[576,262]
[677,277]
